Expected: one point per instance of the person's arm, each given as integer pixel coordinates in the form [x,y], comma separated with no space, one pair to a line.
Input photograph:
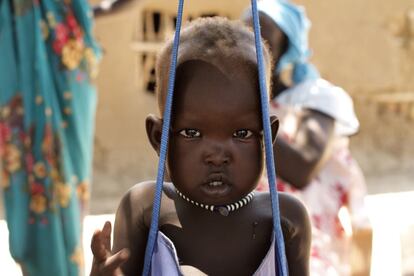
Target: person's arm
[131,229]
[298,162]
[130,236]
[297,232]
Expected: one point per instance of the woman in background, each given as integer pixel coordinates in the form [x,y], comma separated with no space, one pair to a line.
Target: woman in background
[316,120]
[47,108]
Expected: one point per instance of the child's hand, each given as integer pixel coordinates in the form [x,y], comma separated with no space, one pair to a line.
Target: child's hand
[103,262]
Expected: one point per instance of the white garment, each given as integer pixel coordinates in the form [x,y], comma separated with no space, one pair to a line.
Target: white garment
[324,97]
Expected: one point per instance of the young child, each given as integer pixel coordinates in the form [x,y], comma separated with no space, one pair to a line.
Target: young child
[215,158]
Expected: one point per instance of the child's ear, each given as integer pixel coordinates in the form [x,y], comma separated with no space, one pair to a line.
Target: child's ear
[153,125]
[274,124]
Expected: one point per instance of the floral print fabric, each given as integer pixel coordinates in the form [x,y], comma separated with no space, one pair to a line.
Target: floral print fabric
[47,107]
[334,200]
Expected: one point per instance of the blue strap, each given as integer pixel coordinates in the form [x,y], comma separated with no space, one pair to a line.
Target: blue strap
[153,232]
[270,166]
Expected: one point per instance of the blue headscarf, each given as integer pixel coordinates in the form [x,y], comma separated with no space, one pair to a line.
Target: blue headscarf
[294,23]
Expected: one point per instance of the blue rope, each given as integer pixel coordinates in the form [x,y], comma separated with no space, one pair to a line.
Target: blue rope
[153,232]
[270,166]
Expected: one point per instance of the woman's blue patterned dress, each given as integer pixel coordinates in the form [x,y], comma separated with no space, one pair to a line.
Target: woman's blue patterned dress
[47,105]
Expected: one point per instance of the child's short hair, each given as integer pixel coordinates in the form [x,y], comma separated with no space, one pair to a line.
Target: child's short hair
[227,45]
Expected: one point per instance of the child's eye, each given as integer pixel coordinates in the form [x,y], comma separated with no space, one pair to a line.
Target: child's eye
[242,134]
[190,133]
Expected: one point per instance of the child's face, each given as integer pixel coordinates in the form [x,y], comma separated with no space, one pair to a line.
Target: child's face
[215,153]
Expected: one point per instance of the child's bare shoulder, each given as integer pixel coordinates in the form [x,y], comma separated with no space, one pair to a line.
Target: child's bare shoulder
[144,192]
[138,201]
[140,195]
[132,222]
[294,217]
[293,210]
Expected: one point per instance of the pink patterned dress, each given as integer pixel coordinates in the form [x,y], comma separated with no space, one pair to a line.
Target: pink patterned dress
[334,199]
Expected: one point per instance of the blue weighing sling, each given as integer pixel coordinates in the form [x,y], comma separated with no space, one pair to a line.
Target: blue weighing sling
[280,258]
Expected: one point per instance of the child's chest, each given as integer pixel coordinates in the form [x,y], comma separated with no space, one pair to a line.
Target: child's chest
[217,245]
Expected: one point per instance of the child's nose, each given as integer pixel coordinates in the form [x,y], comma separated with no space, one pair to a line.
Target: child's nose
[217,155]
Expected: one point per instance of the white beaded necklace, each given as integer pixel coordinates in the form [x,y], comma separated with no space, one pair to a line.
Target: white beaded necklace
[224,210]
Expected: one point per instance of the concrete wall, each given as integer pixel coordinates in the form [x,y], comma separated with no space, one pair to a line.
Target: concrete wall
[123,156]
[367,47]
[364,46]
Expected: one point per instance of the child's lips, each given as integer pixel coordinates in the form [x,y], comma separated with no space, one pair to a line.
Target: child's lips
[215,189]
[216,185]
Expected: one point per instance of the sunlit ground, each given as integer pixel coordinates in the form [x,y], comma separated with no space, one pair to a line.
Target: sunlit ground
[391,216]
